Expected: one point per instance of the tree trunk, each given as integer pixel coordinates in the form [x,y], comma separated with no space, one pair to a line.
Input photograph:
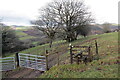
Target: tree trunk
[84,35]
[50,43]
[71,37]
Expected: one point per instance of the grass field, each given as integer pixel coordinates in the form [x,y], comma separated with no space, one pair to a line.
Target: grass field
[105,67]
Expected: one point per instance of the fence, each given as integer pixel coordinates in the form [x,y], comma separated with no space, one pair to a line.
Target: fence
[52,58]
[7,63]
[32,61]
[82,53]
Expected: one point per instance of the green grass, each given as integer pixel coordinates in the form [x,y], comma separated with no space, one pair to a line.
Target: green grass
[22,35]
[40,50]
[36,43]
[105,67]
[59,46]
[27,37]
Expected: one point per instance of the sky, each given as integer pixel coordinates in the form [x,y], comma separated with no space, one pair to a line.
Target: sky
[20,12]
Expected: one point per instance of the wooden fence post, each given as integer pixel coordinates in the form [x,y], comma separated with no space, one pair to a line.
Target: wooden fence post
[58,57]
[17,59]
[46,60]
[96,45]
[89,53]
[71,55]
[78,59]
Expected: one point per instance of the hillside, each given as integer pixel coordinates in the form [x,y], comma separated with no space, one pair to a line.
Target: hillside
[95,29]
[31,36]
[105,67]
[113,27]
[98,28]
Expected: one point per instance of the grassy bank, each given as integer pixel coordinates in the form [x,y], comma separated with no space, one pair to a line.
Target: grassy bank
[105,67]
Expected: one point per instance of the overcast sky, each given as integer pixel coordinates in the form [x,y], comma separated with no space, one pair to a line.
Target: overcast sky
[22,11]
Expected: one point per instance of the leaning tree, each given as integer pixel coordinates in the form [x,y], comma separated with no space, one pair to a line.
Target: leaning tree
[70,16]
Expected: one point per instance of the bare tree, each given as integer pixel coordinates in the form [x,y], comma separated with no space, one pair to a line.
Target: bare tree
[72,15]
[68,15]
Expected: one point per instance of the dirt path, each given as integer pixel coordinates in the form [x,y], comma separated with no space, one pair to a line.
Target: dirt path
[24,73]
[21,73]
[33,74]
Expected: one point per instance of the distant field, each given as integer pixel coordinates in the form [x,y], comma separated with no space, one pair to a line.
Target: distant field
[23,36]
[27,37]
[20,33]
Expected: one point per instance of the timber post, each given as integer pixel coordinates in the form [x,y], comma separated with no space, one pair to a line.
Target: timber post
[71,55]
[17,59]
[46,54]
[78,59]
[96,45]
[58,57]
[89,53]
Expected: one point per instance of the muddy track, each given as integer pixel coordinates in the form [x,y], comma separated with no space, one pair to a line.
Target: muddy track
[23,73]
[20,74]
[33,74]
[11,73]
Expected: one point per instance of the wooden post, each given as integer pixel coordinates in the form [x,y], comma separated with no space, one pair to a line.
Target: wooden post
[89,54]
[58,57]
[17,60]
[78,59]
[46,60]
[96,45]
[71,55]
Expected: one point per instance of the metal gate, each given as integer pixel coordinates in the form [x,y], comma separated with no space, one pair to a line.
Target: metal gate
[32,61]
[7,63]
